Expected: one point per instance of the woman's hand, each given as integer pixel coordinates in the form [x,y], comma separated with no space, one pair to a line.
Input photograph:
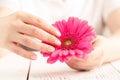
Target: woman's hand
[28,30]
[106,49]
[92,60]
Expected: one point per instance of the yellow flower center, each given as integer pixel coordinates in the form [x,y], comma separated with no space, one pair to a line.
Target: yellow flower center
[68,42]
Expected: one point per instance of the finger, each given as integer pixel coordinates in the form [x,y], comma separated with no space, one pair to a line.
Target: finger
[79,64]
[96,56]
[33,43]
[38,33]
[76,65]
[33,20]
[20,51]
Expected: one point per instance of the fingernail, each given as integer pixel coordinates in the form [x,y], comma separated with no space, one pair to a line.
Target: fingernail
[58,33]
[51,49]
[33,57]
[57,42]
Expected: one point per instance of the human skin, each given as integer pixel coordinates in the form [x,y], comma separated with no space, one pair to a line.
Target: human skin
[107,49]
[26,29]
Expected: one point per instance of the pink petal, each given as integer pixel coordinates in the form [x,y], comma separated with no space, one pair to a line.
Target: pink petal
[71,52]
[61,59]
[52,60]
[79,54]
[61,53]
[65,52]
[68,58]
[73,28]
[46,54]
[81,29]
[56,53]
[65,58]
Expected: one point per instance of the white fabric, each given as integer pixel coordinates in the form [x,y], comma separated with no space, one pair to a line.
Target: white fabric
[110,5]
[12,4]
[94,11]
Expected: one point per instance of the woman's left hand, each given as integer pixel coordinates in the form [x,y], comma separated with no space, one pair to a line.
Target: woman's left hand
[92,60]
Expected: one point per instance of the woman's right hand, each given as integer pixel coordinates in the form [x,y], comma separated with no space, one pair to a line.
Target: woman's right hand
[28,30]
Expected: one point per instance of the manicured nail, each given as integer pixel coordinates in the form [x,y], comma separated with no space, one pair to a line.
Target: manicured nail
[57,42]
[33,57]
[51,49]
[58,33]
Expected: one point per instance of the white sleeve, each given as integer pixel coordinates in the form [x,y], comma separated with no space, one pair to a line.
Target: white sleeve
[12,4]
[109,6]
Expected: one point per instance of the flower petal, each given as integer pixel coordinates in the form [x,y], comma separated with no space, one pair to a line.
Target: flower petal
[56,53]
[46,54]
[79,33]
[52,60]
[79,53]
[71,52]
[65,52]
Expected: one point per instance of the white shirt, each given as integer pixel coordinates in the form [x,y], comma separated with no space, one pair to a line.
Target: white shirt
[94,11]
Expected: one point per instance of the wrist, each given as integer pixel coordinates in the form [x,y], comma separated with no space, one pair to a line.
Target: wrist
[111,50]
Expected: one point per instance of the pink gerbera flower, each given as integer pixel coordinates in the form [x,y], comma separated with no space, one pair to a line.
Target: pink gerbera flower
[76,38]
